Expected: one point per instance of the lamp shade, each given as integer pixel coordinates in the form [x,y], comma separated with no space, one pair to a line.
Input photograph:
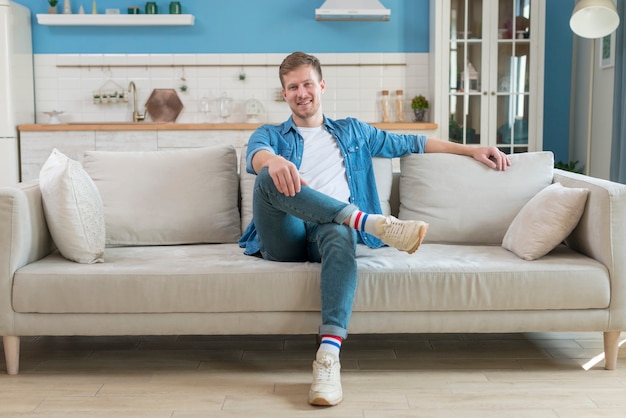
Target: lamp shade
[594,18]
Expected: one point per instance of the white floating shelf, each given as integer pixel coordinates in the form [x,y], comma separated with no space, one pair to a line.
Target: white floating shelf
[114,20]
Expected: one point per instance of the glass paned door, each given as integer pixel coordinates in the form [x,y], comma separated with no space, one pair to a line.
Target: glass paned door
[466,64]
[513,68]
[489,72]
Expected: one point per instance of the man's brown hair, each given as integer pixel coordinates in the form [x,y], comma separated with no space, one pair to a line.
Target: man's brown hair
[298,59]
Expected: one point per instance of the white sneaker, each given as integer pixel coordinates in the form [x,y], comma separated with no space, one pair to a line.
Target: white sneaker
[403,235]
[326,387]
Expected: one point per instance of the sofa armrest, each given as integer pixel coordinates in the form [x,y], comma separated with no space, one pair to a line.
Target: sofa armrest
[24,238]
[601,234]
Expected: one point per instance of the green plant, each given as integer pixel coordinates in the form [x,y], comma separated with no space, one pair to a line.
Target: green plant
[53,3]
[419,103]
[455,132]
[571,166]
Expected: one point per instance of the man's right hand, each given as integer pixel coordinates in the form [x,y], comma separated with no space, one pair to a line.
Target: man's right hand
[286,177]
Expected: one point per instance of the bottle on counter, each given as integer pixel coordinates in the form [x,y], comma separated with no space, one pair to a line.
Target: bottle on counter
[175,8]
[151,8]
[399,106]
[384,103]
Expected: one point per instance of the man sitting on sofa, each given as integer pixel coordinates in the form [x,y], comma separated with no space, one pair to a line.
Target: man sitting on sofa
[315,197]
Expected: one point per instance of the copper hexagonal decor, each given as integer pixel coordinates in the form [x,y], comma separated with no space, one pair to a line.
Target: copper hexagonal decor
[163,105]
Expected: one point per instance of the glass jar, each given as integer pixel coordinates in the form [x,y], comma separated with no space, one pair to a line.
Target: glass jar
[175,8]
[151,8]
[384,105]
[205,108]
[399,106]
[226,106]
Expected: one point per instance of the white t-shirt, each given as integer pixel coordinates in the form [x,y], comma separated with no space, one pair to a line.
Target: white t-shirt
[322,165]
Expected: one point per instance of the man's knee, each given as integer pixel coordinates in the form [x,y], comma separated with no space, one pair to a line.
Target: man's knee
[264,184]
[263,176]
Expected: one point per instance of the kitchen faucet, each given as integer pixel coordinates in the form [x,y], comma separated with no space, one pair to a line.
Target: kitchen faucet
[136,115]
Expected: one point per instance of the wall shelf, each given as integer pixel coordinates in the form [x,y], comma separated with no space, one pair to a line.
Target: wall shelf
[115,20]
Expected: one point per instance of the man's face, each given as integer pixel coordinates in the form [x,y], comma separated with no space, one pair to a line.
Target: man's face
[303,92]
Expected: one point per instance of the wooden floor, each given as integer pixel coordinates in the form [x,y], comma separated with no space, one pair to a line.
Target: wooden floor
[384,376]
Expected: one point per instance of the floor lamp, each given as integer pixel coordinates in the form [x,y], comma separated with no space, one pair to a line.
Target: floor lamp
[593,19]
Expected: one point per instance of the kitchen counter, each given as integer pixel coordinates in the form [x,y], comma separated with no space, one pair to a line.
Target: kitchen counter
[73,139]
[163,126]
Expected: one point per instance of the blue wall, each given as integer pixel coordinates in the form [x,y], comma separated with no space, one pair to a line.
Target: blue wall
[557,78]
[238,26]
[283,26]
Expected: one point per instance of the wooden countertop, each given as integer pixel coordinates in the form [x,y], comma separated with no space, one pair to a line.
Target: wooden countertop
[162,126]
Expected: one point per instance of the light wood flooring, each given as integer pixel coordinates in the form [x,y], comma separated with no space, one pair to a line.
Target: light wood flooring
[384,376]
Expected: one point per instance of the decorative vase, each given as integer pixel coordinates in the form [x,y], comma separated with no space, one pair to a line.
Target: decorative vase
[420,114]
[67,7]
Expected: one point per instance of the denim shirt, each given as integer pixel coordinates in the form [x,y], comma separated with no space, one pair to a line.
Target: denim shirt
[358,142]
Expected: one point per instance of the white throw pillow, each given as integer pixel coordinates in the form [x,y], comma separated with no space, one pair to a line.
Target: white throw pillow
[185,196]
[73,209]
[463,200]
[545,221]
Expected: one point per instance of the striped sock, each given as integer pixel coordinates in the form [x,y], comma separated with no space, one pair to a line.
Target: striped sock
[362,221]
[331,343]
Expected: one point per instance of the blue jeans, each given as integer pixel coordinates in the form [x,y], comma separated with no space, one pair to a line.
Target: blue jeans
[309,227]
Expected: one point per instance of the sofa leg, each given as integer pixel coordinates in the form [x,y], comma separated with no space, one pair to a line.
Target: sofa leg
[12,353]
[611,349]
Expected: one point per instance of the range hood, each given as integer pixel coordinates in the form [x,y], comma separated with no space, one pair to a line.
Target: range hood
[356,10]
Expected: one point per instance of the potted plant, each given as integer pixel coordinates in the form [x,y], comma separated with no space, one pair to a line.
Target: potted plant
[419,104]
[53,6]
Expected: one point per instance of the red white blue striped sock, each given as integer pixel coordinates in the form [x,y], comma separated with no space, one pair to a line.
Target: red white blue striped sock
[331,343]
[366,222]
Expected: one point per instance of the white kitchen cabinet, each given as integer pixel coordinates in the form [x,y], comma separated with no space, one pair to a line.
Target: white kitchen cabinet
[487,72]
[38,141]
[126,140]
[35,148]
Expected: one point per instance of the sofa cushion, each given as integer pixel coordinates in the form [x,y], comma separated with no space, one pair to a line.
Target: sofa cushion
[466,202]
[545,221]
[218,278]
[382,171]
[73,209]
[168,197]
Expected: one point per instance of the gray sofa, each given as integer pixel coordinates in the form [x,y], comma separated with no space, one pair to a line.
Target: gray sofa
[171,263]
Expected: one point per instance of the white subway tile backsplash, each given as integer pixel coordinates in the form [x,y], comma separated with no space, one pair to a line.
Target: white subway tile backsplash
[92,59]
[45,60]
[68,59]
[207,59]
[161,59]
[394,58]
[49,96]
[116,59]
[370,58]
[185,59]
[138,59]
[255,59]
[45,83]
[353,83]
